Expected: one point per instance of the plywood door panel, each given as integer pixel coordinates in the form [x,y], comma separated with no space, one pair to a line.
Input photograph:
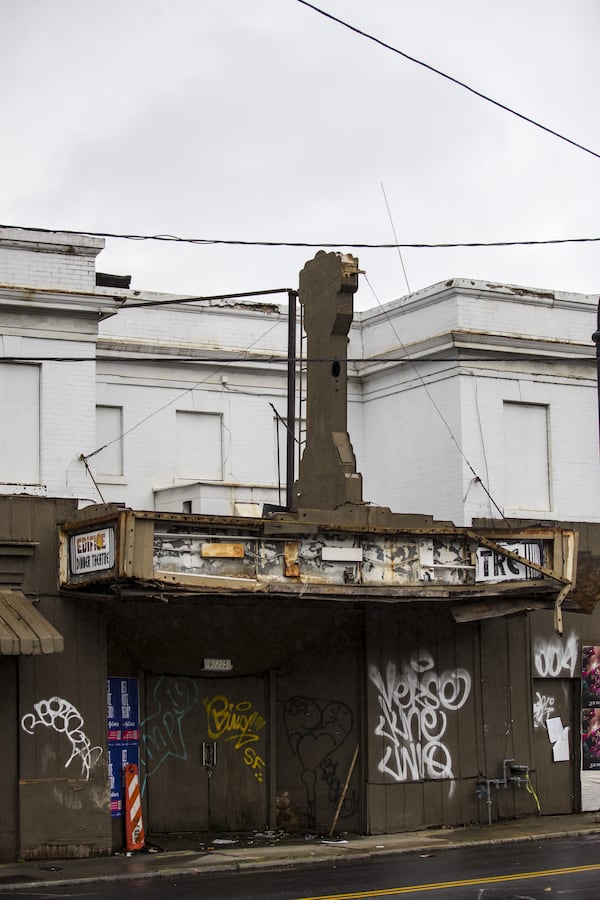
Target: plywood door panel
[553,698]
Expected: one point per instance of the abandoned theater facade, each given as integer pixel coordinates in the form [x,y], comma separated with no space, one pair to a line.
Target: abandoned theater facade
[253,669]
[336,666]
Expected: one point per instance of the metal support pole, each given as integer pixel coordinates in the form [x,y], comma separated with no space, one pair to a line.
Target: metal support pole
[291,399]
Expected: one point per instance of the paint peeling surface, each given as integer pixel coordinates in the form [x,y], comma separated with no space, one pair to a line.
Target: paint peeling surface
[291,555]
[185,555]
[493,566]
[332,559]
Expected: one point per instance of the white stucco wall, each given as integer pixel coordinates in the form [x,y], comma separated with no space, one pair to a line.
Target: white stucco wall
[417,427]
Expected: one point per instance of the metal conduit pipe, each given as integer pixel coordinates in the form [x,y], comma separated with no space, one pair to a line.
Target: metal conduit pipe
[511,774]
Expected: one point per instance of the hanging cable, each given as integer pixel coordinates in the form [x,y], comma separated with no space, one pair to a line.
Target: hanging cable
[476,477]
[456,81]
[387,206]
[530,790]
[84,460]
[211,374]
[330,245]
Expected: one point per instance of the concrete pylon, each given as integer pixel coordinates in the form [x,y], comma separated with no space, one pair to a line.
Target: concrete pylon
[327,477]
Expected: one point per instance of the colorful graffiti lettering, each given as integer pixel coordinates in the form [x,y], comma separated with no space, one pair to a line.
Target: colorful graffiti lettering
[255,762]
[238,723]
[555,657]
[237,720]
[413,718]
[162,732]
[66,719]
[315,729]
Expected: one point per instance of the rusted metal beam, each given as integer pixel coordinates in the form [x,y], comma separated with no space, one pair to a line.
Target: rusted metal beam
[291,402]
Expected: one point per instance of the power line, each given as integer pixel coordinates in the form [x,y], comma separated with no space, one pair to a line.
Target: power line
[358,245]
[436,407]
[189,390]
[389,212]
[509,356]
[451,78]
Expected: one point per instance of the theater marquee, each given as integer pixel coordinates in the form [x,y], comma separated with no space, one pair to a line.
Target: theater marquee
[93,551]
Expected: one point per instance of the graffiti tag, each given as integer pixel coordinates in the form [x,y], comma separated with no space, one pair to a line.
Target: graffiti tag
[350,804]
[315,729]
[238,723]
[555,656]
[64,718]
[542,708]
[413,717]
[162,731]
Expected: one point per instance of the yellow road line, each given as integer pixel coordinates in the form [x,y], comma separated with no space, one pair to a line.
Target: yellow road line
[364,895]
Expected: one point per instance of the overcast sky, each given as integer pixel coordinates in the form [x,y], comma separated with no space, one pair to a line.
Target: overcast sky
[263,120]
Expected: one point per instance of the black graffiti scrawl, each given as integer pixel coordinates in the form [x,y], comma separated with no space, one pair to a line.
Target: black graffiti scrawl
[315,729]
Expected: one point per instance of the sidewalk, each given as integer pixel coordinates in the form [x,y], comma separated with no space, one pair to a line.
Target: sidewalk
[267,850]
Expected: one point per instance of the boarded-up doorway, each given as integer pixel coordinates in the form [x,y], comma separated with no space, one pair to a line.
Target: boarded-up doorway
[556,788]
[204,753]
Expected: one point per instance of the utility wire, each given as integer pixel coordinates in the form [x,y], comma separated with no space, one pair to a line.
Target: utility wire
[451,78]
[476,477]
[389,212]
[425,386]
[85,456]
[509,356]
[358,245]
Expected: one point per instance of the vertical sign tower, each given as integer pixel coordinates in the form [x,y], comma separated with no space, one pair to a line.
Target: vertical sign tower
[327,477]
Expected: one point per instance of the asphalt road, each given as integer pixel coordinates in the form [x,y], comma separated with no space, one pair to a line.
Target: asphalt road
[569,868]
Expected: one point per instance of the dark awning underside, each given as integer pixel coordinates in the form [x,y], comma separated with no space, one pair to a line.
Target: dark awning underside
[23,629]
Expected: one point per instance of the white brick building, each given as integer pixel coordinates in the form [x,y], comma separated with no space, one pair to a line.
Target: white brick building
[466,399]
[501,407]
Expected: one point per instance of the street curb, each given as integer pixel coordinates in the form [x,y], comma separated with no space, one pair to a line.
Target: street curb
[290,860]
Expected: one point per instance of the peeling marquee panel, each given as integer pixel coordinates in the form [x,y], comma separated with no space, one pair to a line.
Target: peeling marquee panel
[390,560]
[364,560]
[208,554]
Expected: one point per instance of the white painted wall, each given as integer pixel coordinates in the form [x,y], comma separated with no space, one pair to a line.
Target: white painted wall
[66,417]
[412,461]
[416,428]
[48,260]
[412,464]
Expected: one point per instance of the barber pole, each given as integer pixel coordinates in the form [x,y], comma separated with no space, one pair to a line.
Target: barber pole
[134,827]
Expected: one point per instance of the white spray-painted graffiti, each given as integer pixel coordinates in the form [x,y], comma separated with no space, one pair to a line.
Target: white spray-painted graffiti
[555,657]
[413,719]
[542,709]
[66,719]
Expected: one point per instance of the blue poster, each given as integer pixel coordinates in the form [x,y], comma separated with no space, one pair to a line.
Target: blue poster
[120,754]
[123,714]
